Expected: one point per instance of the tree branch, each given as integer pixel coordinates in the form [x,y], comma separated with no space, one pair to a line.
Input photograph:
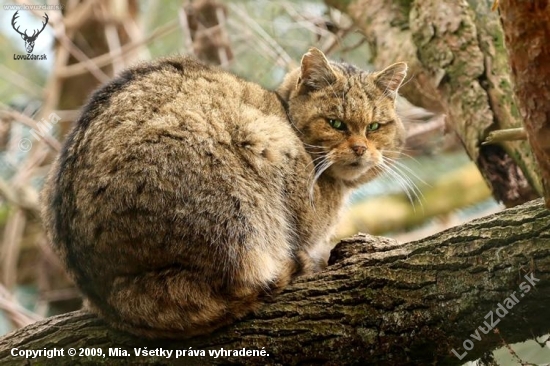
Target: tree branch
[510,134]
[378,302]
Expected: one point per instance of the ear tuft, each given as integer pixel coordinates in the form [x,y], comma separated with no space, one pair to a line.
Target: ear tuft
[391,78]
[316,71]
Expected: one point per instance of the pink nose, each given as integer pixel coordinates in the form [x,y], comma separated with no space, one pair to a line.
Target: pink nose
[359,149]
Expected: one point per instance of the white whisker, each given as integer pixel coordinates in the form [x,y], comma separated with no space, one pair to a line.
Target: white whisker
[400,181]
[413,185]
[409,187]
[406,168]
[314,162]
[321,164]
[418,193]
[314,146]
[402,153]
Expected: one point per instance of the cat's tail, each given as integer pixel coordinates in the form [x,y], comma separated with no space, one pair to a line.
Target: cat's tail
[176,303]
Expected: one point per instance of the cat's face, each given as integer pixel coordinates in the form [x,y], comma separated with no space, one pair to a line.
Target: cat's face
[346,117]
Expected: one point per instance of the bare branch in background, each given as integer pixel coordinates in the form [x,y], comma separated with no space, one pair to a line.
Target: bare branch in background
[283,58]
[20,81]
[13,115]
[205,26]
[108,58]
[19,316]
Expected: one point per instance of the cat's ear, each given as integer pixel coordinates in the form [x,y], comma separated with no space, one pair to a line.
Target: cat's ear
[391,78]
[315,71]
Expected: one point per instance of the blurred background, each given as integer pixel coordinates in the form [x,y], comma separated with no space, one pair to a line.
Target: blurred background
[85,43]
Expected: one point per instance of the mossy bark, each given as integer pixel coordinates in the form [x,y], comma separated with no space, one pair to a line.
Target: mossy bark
[458,66]
[378,302]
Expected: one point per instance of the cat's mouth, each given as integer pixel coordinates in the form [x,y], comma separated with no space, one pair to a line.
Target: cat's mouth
[360,166]
[351,170]
[360,163]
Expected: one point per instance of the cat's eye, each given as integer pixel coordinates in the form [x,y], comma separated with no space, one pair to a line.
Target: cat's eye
[373,126]
[337,124]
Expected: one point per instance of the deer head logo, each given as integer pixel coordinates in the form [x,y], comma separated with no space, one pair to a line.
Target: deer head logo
[29,40]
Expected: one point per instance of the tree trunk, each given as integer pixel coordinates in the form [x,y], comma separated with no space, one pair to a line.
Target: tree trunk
[458,66]
[527,29]
[378,302]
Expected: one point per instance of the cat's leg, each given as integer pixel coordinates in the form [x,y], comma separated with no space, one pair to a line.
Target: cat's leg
[319,254]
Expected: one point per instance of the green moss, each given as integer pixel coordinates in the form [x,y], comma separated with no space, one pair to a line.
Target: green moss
[515,112]
[504,84]
[498,41]
[457,70]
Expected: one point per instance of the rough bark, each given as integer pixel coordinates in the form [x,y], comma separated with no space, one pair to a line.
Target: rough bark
[458,66]
[378,302]
[527,30]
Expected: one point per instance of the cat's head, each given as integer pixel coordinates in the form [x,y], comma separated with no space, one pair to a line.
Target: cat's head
[345,116]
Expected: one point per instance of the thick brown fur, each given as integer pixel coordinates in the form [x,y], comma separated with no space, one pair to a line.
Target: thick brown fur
[185,195]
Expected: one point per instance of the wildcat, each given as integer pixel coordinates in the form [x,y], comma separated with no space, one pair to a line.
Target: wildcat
[184,195]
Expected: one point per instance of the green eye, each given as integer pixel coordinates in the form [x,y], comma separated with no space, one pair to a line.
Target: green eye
[373,126]
[337,124]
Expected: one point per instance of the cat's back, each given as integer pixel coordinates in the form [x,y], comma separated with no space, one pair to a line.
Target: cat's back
[147,96]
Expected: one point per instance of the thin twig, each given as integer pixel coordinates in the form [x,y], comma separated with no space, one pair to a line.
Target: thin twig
[18,314]
[113,41]
[14,115]
[83,58]
[18,197]
[287,61]
[188,41]
[134,32]
[13,233]
[149,15]
[222,51]
[511,134]
[511,350]
[20,81]
[33,162]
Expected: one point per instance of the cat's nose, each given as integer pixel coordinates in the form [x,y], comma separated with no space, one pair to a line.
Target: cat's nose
[359,149]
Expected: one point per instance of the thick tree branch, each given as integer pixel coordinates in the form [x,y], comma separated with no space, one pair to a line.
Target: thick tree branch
[378,302]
